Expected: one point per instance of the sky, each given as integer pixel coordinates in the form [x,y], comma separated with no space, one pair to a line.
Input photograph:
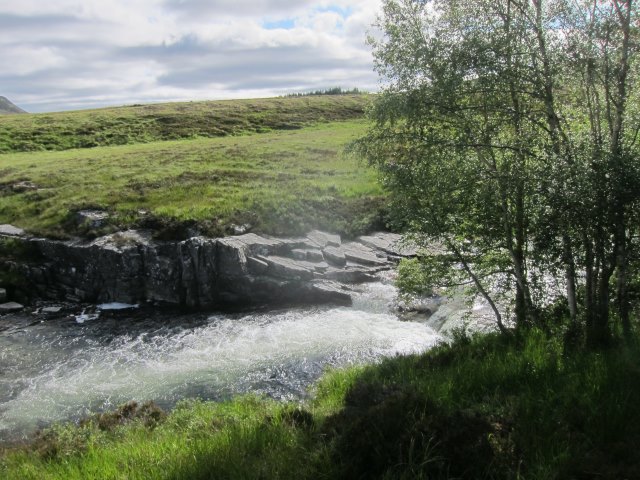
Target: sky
[74,54]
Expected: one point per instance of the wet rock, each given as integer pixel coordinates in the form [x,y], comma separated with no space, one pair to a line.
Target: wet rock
[91,218]
[287,268]
[350,275]
[323,239]
[254,245]
[24,186]
[11,231]
[307,254]
[329,292]
[315,256]
[257,266]
[334,256]
[358,253]
[320,266]
[390,243]
[421,305]
[232,258]
[117,306]
[51,311]
[299,254]
[131,267]
[10,307]
[240,229]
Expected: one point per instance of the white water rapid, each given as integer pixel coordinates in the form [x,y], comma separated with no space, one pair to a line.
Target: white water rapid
[64,370]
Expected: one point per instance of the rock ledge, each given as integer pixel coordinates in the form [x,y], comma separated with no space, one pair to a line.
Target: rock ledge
[249,269]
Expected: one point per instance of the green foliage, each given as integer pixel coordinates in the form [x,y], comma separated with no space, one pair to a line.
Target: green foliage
[414,277]
[482,407]
[328,91]
[512,143]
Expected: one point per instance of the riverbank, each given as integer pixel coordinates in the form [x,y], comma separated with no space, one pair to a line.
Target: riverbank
[486,407]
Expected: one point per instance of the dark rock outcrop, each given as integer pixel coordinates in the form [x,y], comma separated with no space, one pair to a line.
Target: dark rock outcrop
[201,272]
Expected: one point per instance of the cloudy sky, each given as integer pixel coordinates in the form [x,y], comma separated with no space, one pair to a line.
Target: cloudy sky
[71,54]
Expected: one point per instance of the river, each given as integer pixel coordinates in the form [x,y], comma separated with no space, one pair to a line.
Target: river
[61,370]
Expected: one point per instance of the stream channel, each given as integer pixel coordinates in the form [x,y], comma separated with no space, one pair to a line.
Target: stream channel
[59,370]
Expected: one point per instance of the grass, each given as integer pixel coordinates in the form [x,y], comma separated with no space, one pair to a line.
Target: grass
[486,407]
[172,121]
[280,182]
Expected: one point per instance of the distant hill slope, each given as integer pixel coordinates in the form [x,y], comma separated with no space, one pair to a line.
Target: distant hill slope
[173,121]
[6,107]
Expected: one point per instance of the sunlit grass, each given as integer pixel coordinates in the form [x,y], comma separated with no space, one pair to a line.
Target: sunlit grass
[279,182]
[172,121]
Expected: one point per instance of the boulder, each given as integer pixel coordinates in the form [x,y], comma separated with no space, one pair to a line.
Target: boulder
[299,254]
[91,218]
[240,229]
[307,254]
[51,311]
[390,243]
[10,307]
[334,256]
[349,275]
[11,231]
[359,253]
[328,292]
[314,255]
[259,245]
[23,186]
[232,258]
[322,239]
[257,266]
[287,268]
[320,266]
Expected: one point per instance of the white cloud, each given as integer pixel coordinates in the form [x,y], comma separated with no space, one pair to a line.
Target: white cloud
[64,54]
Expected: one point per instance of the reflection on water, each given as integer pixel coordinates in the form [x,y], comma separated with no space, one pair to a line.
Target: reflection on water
[60,370]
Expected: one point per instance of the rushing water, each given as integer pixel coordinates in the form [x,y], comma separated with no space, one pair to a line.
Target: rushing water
[60,370]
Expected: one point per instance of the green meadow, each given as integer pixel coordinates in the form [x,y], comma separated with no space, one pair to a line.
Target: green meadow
[286,178]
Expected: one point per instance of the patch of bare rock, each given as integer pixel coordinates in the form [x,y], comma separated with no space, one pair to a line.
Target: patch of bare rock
[202,272]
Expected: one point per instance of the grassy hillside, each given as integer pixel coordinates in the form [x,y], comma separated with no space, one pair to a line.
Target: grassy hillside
[483,408]
[283,182]
[275,164]
[172,121]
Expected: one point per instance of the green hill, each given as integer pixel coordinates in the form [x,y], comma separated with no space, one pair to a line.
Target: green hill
[172,121]
[275,164]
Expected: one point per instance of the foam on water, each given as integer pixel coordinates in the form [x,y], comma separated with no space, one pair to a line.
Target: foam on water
[52,372]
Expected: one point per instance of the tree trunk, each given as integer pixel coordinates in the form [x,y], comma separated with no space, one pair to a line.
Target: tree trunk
[480,287]
[570,277]
[600,334]
[623,10]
